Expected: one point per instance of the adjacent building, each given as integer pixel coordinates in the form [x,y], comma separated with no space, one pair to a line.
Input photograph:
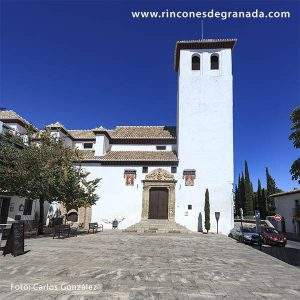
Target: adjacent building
[14,130]
[288,206]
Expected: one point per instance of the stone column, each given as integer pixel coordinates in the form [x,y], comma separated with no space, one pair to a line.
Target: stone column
[171,203]
[145,203]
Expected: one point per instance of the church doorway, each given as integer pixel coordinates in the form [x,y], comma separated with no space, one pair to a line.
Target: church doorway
[158,195]
[158,203]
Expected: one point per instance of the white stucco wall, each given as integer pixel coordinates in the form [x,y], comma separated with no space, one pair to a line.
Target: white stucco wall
[79,145]
[17,127]
[14,208]
[101,145]
[117,200]
[285,206]
[205,137]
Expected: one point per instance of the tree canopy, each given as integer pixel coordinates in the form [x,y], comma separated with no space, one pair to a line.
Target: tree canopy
[45,171]
[249,200]
[295,138]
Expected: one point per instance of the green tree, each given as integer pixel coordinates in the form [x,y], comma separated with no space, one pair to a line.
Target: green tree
[242,191]
[261,200]
[295,137]
[271,189]
[264,203]
[207,211]
[249,195]
[45,172]
[236,200]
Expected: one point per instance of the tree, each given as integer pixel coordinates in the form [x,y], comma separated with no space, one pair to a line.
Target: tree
[77,191]
[261,200]
[236,200]
[271,189]
[295,137]
[249,195]
[45,172]
[263,210]
[295,170]
[242,191]
[207,211]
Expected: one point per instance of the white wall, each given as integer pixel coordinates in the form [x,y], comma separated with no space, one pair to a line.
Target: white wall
[117,200]
[79,145]
[205,137]
[14,206]
[17,127]
[101,145]
[120,201]
[285,206]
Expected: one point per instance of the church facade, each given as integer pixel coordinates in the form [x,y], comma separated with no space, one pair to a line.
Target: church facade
[154,178]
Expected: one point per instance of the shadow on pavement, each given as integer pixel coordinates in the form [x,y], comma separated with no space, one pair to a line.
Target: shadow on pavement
[288,255]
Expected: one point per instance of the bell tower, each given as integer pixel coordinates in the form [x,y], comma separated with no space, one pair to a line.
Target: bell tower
[205,129]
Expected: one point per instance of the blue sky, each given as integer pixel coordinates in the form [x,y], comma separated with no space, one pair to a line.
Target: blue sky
[88,63]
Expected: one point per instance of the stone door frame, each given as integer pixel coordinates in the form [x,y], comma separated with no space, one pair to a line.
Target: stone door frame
[159,178]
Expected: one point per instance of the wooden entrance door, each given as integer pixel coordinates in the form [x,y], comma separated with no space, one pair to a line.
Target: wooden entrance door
[158,203]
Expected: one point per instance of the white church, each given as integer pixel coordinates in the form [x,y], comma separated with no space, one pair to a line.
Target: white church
[154,178]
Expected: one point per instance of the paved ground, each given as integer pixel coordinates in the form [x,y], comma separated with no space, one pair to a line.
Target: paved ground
[293,244]
[130,266]
[289,254]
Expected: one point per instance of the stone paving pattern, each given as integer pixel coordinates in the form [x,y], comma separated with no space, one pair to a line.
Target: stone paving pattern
[148,266]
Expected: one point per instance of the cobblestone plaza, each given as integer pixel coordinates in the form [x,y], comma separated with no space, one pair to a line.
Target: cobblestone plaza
[118,265]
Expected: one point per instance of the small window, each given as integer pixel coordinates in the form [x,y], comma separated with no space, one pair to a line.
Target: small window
[160,147]
[27,207]
[145,169]
[214,62]
[190,206]
[173,169]
[88,145]
[195,62]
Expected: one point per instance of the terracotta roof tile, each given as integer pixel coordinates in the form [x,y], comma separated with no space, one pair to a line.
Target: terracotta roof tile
[87,155]
[123,156]
[82,134]
[10,115]
[143,132]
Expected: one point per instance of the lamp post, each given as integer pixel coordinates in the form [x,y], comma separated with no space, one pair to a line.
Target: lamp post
[217,215]
[258,228]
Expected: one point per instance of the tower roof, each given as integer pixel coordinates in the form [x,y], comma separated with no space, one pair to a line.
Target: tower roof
[201,44]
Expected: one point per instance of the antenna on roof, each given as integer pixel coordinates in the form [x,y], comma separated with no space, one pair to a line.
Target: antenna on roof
[201,29]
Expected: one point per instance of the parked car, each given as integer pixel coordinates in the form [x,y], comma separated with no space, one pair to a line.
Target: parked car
[271,236]
[247,235]
[250,236]
[236,232]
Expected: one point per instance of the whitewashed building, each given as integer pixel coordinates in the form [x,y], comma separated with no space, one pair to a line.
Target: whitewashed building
[288,206]
[153,178]
[13,130]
